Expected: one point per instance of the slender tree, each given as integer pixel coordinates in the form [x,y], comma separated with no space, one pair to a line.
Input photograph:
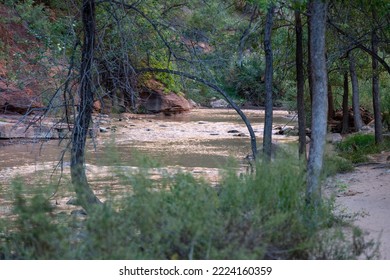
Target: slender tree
[300,85]
[318,11]
[331,110]
[375,84]
[345,127]
[83,119]
[267,136]
[355,94]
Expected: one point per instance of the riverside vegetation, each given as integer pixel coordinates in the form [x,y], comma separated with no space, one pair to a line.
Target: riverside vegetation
[262,215]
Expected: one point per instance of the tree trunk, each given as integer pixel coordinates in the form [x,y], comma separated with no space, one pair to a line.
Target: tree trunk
[267,135]
[300,85]
[85,195]
[309,74]
[345,128]
[375,86]
[318,10]
[355,94]
[331,112]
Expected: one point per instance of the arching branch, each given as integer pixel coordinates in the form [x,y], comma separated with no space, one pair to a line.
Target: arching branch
[358,44]
[217,89]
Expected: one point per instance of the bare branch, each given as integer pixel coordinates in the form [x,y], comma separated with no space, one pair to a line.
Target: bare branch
[217,89]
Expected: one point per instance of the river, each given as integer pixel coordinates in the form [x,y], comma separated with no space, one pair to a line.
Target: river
[201,141]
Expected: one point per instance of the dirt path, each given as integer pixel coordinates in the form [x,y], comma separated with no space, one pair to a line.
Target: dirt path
[366,192]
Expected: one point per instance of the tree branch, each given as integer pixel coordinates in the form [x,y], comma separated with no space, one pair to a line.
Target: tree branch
[217,89]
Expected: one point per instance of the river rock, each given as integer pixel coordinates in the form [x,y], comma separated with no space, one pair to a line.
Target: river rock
[193,103]
[154,99]
[334,138]
[219,103]
[103,129]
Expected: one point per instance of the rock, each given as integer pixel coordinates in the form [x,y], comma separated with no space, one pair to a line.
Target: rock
[154,99]
[219,103]
[334,138]
[13,128]
[103,129]
[193,104]
[368,129]
[240,135]
[233,131]
[288,131]
[15,100]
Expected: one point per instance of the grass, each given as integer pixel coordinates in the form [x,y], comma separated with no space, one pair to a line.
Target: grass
[356,147]
[250,216]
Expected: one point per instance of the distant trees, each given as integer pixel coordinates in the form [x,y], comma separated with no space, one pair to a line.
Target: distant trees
[125,43]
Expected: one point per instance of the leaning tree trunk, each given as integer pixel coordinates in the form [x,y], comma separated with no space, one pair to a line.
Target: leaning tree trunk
[85,195]
[267,135]
[300,85]
[345,127]
[375,87]
[355,94]
[318,10]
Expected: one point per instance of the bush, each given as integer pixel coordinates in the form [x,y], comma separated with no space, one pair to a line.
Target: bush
[252,216]
[357,146]
[334,164]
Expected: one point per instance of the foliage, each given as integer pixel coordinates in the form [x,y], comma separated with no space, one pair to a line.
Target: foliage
[38,235]
[248,216]
[357,146]
[334,164]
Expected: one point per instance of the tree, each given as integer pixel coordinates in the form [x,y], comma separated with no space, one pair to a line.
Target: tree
[375,84]
[355,93]
[317,11]
[267,135]
[300,84]
[85,195]
[345,125]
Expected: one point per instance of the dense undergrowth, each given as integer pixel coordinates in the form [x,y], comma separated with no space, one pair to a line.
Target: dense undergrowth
[357,147]
[249,216]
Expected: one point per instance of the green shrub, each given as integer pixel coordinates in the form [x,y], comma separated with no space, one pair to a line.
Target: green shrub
[357,146]
[34,234]
[252,216]
[334,164]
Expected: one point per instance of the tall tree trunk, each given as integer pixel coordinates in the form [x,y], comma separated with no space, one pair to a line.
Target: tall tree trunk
[345,128]
[355,94]
[375,86]
[300,85]
[84,193]
[309,74]
[331,111]
[267,135]
[318,10]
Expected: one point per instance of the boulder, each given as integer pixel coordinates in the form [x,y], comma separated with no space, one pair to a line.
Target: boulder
[14,100]
[219,103]
[334,138]
[154,99]
[193,103]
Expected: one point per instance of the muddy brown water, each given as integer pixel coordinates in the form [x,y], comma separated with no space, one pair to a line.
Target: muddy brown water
[198,142]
